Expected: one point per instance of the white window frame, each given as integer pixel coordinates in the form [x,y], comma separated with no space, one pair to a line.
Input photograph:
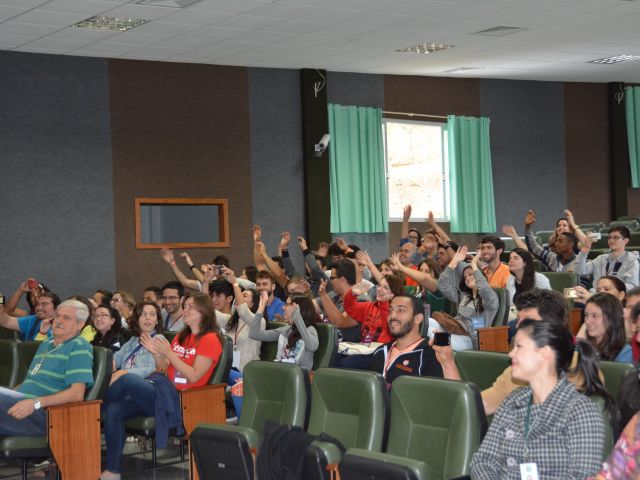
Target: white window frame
[444,168]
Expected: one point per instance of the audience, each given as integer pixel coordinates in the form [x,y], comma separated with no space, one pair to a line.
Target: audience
[123,302]
[106,322]
[172,300]
[31,325]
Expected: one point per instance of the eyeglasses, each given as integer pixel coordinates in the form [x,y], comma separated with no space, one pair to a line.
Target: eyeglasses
[333,278]
[615,237]
[102,315]
[172,298]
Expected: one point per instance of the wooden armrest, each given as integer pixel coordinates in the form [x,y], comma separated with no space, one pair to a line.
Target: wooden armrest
[575,320]
[493,339]
[203,405]
[74,439]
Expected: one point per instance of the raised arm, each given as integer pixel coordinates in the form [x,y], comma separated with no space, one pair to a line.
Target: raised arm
[192,268]
[363,256]
[583,266]
[423,278]
[308,334]
[273,267]
[167,256]
[442,235]
[577,231]
[447,283]
[489,297]
[11,307]
[7,321]
[257,245]
[406,215]
[511,231]
[335,316]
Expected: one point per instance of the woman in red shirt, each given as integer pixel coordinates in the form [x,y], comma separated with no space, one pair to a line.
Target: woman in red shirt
[189,360]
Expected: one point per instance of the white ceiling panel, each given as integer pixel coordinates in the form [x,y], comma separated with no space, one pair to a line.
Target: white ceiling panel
[347,35]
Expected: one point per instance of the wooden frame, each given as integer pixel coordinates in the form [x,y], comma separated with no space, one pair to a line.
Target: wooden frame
[223,221]
[493,339]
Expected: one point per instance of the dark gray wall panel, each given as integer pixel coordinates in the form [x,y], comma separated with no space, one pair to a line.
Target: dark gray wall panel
[55,159]
[527,149]
[362,90]
[277,174]
[358,89]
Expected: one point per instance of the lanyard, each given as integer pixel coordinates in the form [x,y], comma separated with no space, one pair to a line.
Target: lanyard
[235,335]
[167,326]
[527,420]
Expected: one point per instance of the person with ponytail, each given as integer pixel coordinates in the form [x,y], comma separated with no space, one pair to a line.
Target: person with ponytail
[546,429]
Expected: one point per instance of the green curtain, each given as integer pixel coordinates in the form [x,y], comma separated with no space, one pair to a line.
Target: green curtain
[357,174]
[632,108]
[471,179]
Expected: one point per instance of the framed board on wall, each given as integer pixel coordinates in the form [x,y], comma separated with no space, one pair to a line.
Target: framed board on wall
[181,223]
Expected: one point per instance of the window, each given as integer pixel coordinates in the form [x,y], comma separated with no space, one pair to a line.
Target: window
[417,168]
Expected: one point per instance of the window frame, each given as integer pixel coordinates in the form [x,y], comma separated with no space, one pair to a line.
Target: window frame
[444,165]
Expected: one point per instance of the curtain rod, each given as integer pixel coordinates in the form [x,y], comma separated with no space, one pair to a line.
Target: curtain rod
[407,114]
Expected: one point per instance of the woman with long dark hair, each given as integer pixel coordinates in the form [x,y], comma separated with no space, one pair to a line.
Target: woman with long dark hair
[546,429]
[189,361]
[604,328]
[523,276]
[106,322]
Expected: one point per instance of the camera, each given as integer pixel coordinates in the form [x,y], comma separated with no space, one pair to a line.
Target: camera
[441,339]
[321,146]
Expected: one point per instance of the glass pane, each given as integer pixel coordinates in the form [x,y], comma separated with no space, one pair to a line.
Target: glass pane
[414,162]
[179,223]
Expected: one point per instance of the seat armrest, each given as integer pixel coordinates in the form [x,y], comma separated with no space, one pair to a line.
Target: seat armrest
[419,469]
[74,433]
[203,405]
[493,339]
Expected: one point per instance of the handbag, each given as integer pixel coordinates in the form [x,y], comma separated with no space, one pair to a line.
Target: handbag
[450,324]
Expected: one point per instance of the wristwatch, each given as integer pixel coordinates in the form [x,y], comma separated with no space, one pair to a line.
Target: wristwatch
[36,404]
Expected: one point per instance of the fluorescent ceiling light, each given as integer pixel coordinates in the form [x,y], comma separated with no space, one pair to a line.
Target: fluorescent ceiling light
[499,31]
[115,24]
[460,70]
[616,59]
[425,48]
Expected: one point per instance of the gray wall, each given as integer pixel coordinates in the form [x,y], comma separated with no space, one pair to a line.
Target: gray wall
[277,174]
[527,149]
[362,90]
[55,159]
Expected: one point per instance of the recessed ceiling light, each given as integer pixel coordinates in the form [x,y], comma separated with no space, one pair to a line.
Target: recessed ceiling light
[167,3]
[499,31]
[116,24]
[425,48]
[616,59]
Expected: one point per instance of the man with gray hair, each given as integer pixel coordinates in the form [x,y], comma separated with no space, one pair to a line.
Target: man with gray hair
[60,372]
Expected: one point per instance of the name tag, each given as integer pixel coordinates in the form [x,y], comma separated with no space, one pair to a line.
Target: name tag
[529,471]
[288,360]
[35,369]
[477,322]
[179,378]
[236,359]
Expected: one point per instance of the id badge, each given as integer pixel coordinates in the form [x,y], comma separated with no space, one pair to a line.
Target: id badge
[179,378]
[529,471]
[35,369]
[236,359]
[288,360]
[477,322]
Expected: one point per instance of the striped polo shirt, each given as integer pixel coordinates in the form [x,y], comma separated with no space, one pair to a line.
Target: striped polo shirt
[56,367]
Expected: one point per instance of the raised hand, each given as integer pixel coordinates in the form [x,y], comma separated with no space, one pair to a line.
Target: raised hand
[322,288]
[303,243]
[342,244]
[570,220]
[323,249]
[285,238]
[187,258]
[229,275]
[363,257]
[406,213]
[459,256]
[257,233]
[530,219]
[261,248]
[396,264]
[431,219]
[167,255]
[509,230]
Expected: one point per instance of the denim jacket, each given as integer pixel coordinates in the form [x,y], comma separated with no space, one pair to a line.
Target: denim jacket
[144,363]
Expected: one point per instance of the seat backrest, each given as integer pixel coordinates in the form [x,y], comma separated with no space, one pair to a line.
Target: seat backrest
[273,391]
[7,334]
[604,240]
[594,227]
[350,405]
[481,368]
[614,373]
[102,368]
[632,225]
[561,280]
[440,422]
[26,352]
[609,435]
[269,350]
[544,236]
[502,314]
[9,363]
[634,241]
[221,372]
[325,355]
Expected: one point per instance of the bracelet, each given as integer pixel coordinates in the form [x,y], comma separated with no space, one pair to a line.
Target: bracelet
[191,267]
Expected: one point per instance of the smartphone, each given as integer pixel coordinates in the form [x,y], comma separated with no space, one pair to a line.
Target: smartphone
[218,269]
[595,235]
[442,339]
[570,292]
[2,302]
[32,284]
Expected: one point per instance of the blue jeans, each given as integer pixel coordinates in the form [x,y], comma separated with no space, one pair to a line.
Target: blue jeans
[231,381]
[129,396]
[34,425]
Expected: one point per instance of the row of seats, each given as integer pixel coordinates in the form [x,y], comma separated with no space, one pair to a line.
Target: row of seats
[542,237]
[431,429]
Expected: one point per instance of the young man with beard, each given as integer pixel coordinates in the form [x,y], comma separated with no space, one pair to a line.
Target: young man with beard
[409,353]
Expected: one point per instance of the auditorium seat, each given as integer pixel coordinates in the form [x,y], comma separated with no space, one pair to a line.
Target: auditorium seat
[481,368]
[325,355]
[276,392]
[9,363]
[436,427]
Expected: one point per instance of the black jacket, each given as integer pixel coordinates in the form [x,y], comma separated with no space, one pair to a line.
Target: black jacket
[421,361]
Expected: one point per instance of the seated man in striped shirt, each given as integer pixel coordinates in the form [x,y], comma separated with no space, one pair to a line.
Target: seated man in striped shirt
[60,372]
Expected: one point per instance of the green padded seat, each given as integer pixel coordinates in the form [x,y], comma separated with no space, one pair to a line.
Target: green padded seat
[593,227]
[596,252]
[350,405]
[614,373]
[20,447]
[436,427]
[26,352]
[9,363]
[609,440]
[269,350]
[7,334]
[634,241]
[325,355]
[276,392]
[481,368]
[544,236]
[603,243]
[502,315]
[561,280]
[632,225]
